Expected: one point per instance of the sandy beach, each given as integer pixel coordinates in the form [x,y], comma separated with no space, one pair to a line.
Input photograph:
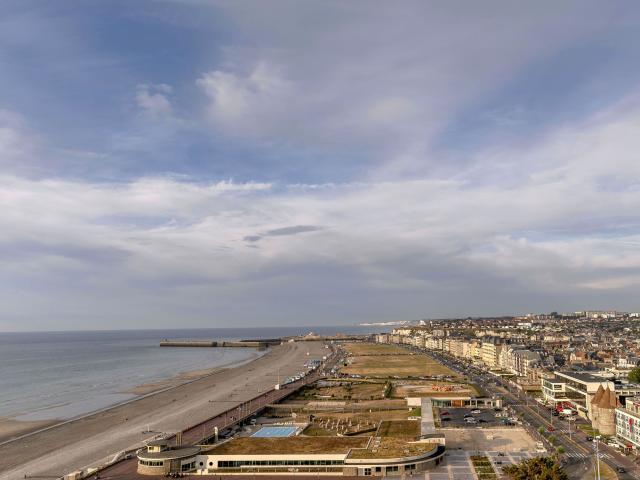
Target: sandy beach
[10,428]
[97,438]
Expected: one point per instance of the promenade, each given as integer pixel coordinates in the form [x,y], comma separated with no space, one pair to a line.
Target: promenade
[96,439]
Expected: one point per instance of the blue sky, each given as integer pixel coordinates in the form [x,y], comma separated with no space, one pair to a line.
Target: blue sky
[219,163]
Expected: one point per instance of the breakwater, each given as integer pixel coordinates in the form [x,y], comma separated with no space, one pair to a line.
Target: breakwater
[225,343]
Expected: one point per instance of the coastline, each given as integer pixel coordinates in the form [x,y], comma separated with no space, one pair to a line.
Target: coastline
[10,428]
[13,428]
[95,439]
[185,377]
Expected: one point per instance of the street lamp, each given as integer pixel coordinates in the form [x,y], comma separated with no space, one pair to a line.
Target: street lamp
[596,441]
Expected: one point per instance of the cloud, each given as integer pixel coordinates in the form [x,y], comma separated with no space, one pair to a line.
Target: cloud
[153,99]
[381,85]
[387,162]
[13,137]
[561,229]
[238,101]
[283,231]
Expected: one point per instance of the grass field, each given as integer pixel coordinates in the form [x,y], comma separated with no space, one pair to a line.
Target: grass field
[353,391]
[374,360]
[437,389]
[375,349]
[401,428]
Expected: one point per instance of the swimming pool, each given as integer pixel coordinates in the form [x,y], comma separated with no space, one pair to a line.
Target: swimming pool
[271,432]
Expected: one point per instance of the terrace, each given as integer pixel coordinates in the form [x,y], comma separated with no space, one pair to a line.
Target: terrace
[289,446]
[390,447]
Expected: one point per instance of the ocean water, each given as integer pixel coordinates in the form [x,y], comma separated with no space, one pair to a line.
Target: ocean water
[62,375]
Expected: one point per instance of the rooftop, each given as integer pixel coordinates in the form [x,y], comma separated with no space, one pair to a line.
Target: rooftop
[389,447]
[583,376]
[289,445]
[173,453]
[399,428]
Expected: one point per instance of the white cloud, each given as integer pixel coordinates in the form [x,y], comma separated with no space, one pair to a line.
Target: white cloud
[553,231]
[412,233]
[243,102]
[13,141]
[153,99]
[381,82]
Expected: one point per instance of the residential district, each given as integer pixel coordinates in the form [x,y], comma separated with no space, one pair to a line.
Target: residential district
[481,398]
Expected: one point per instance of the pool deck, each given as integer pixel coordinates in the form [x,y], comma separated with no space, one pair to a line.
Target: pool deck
[275,432]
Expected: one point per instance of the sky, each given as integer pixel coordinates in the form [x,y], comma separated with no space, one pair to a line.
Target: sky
[195,163]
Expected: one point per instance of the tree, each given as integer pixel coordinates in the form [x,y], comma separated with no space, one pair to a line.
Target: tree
[539,468]
[634,375]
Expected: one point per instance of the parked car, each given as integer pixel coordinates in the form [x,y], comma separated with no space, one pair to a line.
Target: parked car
[476,411]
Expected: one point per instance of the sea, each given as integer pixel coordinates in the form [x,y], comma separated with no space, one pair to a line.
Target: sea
[64,375]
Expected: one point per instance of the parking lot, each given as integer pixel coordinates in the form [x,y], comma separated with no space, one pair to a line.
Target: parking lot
[506,440]
[456,417]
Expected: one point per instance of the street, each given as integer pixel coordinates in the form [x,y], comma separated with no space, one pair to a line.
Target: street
[578,450]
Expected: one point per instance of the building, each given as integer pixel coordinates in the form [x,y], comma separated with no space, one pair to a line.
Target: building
[159,458]
[352,456]
[472,350]
[603,407]
[576,388]
[490,351]
[628,423]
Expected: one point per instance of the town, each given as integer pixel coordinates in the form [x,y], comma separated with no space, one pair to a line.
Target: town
[577,373]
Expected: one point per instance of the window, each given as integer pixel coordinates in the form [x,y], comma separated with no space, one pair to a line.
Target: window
[367,471]
[393,468]
[151,463]
[262,463]
[411,466]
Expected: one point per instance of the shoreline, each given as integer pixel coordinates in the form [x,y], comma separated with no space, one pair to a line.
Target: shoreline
[12,429]
[95,439]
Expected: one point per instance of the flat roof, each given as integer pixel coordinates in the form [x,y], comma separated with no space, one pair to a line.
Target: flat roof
[391,447]
[288,445]
[158,443]
[399,428]
[583,376]
[172,454]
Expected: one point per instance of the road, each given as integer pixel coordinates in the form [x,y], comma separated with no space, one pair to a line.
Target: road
[574,441]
